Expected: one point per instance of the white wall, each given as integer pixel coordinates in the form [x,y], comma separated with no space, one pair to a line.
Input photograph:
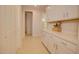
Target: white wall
[20,25]
[37,23]
[37,19]
[10,28]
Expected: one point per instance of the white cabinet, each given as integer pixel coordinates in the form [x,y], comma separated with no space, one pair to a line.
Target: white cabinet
[57,44]
[63,12]
[64,46]
[62,50]
[70,12]
[54,13]
[49,42]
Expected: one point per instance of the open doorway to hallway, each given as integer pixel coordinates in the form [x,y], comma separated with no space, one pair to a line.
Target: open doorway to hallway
[32,42]
[28,23]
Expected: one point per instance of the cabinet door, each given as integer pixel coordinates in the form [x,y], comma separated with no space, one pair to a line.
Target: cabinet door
[44,38]
[55,13]
[64,47]
[71,12]
[50,12]
[51,44]
[62,50]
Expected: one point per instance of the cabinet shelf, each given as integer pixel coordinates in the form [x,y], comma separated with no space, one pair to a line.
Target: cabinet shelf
[65,20]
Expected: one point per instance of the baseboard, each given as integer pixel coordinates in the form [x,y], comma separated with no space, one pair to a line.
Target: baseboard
[7,52]
[46,48]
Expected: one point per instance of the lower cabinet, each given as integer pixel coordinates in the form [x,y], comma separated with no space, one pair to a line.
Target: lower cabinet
[58,45]
[62,49]
[49,42]
[51,45]
[63,46]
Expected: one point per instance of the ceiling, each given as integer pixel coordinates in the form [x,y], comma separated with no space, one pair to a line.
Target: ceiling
[33,7]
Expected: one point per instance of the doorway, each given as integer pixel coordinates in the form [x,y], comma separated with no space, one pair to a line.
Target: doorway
[28,23]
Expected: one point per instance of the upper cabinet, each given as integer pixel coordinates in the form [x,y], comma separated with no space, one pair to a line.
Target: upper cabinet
[53,13]
[61,12]
[71,12]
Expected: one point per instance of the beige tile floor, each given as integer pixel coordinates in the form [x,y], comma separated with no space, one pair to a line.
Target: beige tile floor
[32,45]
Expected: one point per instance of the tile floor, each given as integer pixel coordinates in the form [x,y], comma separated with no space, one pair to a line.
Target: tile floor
[32,45]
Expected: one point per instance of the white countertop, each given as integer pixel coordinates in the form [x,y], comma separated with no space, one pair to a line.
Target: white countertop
[66,37]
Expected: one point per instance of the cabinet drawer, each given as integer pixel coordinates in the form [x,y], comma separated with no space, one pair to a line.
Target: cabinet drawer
[62,50]
[65,44]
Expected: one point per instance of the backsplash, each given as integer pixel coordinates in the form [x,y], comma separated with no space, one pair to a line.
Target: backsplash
[69,28]
[50,26]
